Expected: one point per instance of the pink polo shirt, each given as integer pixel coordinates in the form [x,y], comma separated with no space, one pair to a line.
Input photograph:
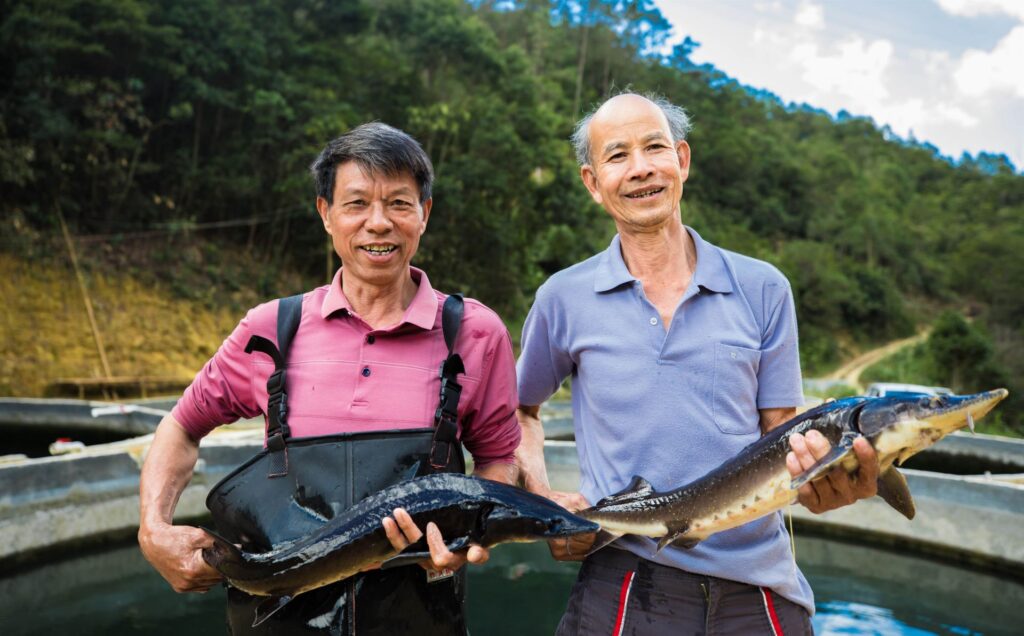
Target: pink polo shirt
[345,377]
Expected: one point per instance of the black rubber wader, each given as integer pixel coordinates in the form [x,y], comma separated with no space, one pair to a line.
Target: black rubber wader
[295,486]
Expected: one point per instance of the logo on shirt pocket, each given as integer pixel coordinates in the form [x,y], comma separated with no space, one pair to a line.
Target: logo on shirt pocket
[734,399]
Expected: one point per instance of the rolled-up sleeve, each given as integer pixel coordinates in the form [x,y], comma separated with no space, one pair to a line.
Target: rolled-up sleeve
[221,392]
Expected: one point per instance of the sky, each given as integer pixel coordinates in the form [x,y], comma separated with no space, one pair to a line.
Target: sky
[946,72]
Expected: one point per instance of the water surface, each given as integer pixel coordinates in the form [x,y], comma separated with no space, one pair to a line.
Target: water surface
[522,592]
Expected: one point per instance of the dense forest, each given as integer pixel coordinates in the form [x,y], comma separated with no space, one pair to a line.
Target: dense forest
[150,125]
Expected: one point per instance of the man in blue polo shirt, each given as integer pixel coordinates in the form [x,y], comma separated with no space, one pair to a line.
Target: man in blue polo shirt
[680,354]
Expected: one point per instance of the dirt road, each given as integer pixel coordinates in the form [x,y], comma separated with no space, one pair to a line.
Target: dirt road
[850,372]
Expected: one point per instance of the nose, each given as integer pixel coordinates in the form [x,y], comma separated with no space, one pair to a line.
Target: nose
[640,166]
[378,222]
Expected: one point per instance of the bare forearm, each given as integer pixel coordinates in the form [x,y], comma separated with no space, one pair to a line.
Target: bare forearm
[166,472]
[533,474]
[505,473]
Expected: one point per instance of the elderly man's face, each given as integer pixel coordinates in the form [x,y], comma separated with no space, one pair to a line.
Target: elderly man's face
[375,223]
[637,172]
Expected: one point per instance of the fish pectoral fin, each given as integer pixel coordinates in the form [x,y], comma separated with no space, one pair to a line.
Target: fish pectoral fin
[672,537]
[269,607]
[892,487]
[638,488]
[686,542]
[826,463]
[604,537]
[420,551]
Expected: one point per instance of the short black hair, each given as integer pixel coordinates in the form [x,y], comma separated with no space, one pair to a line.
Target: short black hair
[378,149]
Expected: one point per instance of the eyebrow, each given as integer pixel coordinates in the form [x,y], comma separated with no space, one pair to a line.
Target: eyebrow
[648,138]
[356,191]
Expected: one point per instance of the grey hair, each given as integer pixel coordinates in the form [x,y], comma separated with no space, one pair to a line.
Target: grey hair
[378,149]
[679,124]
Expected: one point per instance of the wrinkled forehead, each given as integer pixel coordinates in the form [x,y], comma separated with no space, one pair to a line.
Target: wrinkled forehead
[627,116]
[354,175]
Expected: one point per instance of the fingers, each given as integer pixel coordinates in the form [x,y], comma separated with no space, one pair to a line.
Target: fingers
[573,548]
[838,488]
[401,530]
[440,556]
[866,482]
[571,501]
[177,554]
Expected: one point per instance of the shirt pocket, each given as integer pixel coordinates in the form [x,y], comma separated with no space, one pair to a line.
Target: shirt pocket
[734,396]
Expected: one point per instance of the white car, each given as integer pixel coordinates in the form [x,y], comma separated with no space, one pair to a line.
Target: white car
[882,389]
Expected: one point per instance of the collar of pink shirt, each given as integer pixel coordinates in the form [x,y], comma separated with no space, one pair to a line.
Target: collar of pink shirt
[421,312]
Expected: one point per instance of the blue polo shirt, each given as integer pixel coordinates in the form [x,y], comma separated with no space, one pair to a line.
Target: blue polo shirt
[672,406]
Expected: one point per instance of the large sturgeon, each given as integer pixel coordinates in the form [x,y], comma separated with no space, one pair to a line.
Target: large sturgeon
[466,510]
[756,482]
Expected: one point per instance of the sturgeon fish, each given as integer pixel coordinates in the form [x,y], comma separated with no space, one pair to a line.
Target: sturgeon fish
[756,482]
[466,510]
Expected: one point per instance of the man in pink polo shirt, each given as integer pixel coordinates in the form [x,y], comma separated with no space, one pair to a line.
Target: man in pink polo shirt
[362,365]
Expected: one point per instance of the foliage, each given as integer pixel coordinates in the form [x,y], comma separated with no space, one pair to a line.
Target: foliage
[169,125]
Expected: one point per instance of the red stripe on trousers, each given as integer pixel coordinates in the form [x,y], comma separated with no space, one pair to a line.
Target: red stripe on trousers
[770,606]
[623,597]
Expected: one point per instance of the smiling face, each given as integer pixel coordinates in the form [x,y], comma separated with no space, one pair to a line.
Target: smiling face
[636,172]
[375,222]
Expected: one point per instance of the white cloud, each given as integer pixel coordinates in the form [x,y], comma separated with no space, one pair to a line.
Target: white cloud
[974,8]
[856,70]
[810,16]
[983,72]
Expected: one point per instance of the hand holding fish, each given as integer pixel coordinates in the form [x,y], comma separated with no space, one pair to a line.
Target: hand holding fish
[402,532]
[573,548]
[177,554]
[839,488]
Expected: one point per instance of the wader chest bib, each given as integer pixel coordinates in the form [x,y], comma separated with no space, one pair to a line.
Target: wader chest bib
[295,486]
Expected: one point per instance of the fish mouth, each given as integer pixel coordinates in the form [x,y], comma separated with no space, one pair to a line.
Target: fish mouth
[952,412]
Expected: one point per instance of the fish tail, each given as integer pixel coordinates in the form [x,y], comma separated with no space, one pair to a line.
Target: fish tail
[222,552]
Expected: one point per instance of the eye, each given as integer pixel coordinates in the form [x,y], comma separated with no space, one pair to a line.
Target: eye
[617,156]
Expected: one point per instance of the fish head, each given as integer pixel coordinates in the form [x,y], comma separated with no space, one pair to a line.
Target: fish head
[902,426]
[538,519]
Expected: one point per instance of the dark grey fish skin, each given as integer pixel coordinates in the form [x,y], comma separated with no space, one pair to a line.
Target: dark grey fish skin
[756,482]
[466,510]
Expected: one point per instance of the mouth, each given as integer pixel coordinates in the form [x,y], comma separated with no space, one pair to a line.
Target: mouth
[378,250]
[646,193]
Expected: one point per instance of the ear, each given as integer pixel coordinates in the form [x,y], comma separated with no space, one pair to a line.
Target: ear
[429,203]
[590,181]
[683,152]
[324,208]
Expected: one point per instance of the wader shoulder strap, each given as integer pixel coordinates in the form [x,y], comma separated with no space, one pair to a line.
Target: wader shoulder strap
[446,416]
[289,313]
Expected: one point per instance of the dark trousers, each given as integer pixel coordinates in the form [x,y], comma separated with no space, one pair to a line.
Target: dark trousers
[619,594]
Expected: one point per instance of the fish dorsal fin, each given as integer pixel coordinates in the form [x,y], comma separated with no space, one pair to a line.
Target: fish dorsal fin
[269,607]
[420,551]
[638,488]
[892,487]
[826,463]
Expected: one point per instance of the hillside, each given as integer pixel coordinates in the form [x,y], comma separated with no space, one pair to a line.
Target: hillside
[168,133]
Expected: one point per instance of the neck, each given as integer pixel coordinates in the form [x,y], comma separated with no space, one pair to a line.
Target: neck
[666,253]
[380,306]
